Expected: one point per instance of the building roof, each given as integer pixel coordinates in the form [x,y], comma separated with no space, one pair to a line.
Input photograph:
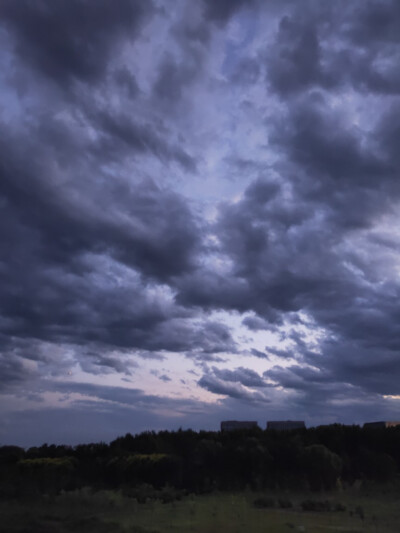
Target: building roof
[382,424]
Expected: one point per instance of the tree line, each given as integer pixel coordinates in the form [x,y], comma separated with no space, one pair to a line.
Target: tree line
[320,458]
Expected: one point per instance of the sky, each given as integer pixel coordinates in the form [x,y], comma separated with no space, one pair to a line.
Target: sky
[198,215]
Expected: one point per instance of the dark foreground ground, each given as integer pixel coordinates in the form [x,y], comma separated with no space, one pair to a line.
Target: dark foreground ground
[84,511]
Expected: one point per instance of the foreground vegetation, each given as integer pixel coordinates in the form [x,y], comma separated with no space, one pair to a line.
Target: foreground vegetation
[332,478]
[85,511]
[322,458]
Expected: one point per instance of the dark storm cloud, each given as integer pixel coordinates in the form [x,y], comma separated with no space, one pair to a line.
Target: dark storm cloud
[295,63]
[369,362]
[108,207]
[127,81]
[292,268]
[233,390]
[122,135]
[345,161]
[177,335]
[269,321]
[71,40]
[247,72]
[288,241]
[172,79]
[144,232]
[12,371]
[78,309]
[80,238]
[254,236]
[386,135]
[358,354]
[245,376]
[206,288]
[375,22]
[281,353]
[174,88]
[353,45]
[190,32]
[220,11]
[98,361]
[255,323]
[120,395]
[312,387]
[296,377]
[259,354]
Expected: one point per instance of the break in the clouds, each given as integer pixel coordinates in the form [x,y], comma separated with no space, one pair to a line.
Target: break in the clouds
[198,214]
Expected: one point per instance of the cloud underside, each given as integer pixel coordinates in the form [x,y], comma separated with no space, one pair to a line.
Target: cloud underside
[146,190]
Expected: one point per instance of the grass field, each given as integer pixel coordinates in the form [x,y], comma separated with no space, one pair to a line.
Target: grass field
[111,512]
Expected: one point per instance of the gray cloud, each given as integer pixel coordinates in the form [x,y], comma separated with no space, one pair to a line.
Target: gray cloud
[251,171]
[313,48]
[12,371]
[245,376]
[259,354]
[222,10]
[255,323]
[71,40]
[294,63]
[121,135]
[172,79]
[230,389]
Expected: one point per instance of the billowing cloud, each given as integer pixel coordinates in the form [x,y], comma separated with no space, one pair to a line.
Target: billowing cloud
[231,390]
[74,40]
[212,190]
[222,10]
[245,376]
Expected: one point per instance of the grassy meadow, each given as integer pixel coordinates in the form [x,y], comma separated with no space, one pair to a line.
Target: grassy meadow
[84,511]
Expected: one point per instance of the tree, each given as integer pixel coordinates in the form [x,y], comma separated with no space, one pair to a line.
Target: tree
[322,467]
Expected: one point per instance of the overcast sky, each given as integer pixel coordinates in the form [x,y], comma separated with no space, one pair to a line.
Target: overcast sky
[199,215]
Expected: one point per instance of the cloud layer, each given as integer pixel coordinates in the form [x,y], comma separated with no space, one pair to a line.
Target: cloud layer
[199,206]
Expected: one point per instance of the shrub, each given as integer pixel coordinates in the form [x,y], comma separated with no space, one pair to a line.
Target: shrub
[339,507]
[264,503]
[168,495]
[360,512]
[315,505]
[285,504]
[47,474]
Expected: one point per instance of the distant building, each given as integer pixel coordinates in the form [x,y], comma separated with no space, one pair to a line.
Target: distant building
[231,425]
[382,424]
[285,425]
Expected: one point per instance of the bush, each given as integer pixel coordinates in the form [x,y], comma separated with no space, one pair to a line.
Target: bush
[285,504]
[264,503]
[156,469]
[317,506]
[360,512]
[339,507]
[47,474]
[169,494]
